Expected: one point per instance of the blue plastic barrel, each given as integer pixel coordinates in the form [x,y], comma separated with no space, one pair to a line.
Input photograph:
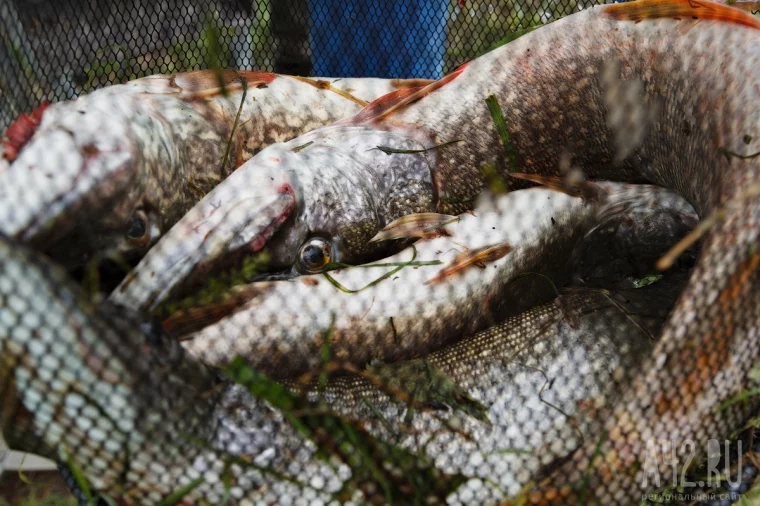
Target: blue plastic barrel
[378,38]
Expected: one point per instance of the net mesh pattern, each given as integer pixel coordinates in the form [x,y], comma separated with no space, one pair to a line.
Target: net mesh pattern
[211,293]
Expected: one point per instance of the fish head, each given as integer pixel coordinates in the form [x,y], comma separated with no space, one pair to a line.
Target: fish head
[124,231]
[77,187]
[311,202]
[333,212]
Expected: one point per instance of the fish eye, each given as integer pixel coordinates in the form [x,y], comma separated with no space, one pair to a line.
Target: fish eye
[138,231]
[314,255]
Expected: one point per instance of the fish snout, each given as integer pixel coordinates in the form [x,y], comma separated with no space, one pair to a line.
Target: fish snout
[65,175]
[233,221]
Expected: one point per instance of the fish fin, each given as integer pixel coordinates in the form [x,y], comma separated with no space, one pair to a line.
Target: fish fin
[206,83]
[416,225]
[479,257]
[194,319]
[21,130]
[681,9]
[384,104]
[552,182]
[399,99]
[436,279]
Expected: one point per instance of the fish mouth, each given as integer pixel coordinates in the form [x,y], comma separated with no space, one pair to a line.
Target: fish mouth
[232,222]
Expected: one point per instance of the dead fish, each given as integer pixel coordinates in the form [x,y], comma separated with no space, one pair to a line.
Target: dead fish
[326,194]
[392,312]
[315,200]
[553,365]
[701,144]
[700,141]
[113,170]
[102,382]
[110,382]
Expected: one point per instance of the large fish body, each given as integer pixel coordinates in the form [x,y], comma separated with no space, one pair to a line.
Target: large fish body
[610,90]
[369,314]
[540,376]
[139,418]
[111,171]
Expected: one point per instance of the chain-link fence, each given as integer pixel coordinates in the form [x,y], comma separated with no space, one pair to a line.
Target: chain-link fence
[531,281]
[58,50]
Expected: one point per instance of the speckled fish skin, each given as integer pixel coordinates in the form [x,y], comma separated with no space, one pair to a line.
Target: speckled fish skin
[155,146]
[555,364]
[695,66]
[140,418]
[553,98]
[405,316]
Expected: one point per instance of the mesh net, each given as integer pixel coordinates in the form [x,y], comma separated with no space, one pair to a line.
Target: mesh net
[59,50]
[243,287]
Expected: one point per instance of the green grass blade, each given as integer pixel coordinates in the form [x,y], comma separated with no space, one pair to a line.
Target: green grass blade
[385,276]
[501,127]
